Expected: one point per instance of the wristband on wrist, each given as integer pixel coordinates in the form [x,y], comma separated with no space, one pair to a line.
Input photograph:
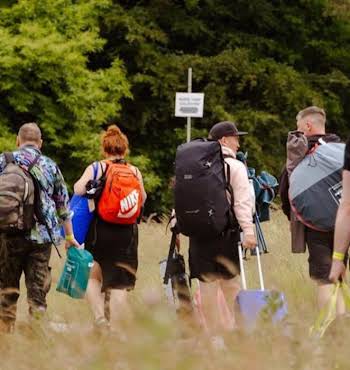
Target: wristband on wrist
[338,256]
[69,237]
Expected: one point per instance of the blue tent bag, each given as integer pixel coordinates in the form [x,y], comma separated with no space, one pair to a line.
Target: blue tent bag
[262,304]
[82,216]
[75,274]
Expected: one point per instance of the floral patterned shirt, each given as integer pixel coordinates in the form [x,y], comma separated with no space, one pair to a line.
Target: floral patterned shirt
[53,194]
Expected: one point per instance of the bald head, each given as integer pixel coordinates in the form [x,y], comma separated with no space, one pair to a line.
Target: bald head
[29,133]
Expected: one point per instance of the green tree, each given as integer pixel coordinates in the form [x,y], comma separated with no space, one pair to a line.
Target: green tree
[45,76]
[75,66]
[258,62]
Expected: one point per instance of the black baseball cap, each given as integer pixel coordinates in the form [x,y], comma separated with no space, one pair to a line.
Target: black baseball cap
[224,128]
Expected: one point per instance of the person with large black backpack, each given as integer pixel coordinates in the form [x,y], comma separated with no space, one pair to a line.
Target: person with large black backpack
[213,204]
[33,205]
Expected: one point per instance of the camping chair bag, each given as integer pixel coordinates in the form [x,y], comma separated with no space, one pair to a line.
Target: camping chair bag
[315,186]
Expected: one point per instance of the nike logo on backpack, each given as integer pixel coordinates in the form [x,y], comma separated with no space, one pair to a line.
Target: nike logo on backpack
[129,205]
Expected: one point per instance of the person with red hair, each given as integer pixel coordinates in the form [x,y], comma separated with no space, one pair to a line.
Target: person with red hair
[112,244]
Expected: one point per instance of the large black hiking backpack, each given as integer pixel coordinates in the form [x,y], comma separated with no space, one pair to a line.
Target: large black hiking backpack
[17,197]
[201,204]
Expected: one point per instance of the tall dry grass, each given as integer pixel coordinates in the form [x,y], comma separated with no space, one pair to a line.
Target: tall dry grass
[154,340]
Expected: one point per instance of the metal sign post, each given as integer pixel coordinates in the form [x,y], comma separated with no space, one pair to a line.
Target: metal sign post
[189,104]
[189,90]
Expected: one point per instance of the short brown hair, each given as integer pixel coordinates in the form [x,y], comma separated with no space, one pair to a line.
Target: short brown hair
[29,132]
[315,111]
[114,142]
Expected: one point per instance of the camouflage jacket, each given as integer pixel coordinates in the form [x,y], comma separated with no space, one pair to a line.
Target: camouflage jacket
[53,194]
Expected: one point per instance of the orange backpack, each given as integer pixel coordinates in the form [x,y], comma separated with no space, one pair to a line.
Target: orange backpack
[121,198]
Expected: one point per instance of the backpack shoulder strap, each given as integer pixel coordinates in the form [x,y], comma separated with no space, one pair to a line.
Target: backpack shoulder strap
[9,157]
[228,181]
[231,215]
[104,170]
[95,169]
[228,156]
[134,170]
[119,161]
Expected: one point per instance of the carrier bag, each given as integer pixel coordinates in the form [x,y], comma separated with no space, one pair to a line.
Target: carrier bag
[75,274]
[201,204]
[262,304]
[315,186]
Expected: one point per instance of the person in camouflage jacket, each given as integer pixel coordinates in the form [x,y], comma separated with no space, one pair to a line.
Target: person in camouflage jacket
[30,251]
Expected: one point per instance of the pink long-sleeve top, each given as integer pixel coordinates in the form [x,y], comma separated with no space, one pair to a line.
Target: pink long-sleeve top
[243,201]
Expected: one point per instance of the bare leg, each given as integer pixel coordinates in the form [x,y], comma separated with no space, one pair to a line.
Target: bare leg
[119,309]
[93,292]
[209,305]
[230,289]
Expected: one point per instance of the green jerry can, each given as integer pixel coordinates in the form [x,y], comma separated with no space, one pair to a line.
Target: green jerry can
[75,274]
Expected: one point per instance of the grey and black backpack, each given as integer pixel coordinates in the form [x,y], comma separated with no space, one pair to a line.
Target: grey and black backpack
[315,186]
[17,197]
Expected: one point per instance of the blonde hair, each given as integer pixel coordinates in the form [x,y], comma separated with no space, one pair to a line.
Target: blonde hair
[317,115]
[29,132]
[114,142]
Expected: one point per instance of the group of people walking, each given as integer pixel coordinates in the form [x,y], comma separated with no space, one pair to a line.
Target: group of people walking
[113,246]
[213,261]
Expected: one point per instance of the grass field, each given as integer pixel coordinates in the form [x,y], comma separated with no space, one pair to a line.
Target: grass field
[153,341]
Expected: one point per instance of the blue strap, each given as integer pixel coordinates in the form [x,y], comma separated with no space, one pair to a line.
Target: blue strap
[95,168]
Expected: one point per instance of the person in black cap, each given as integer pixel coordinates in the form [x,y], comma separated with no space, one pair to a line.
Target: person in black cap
[215,262]
[225,129]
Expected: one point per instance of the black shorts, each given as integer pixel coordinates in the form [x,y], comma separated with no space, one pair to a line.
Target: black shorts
[213,259]
[114,247]
[320,245]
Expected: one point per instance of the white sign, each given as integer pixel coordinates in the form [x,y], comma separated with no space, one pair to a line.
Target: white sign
[189,104]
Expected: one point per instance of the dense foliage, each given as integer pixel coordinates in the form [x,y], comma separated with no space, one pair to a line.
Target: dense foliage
[75,66]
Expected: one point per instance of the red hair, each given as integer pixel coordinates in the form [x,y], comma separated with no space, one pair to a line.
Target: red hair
[114,142]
